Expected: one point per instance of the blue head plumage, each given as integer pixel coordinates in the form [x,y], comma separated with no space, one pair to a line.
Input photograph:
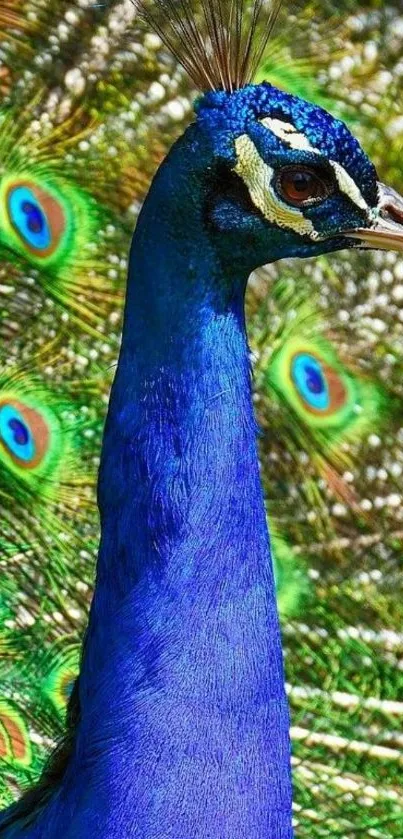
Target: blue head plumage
[285,178]
[274,176]
[290,132]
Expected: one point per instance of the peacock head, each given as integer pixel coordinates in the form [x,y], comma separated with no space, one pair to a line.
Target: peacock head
[275,175]
[285,178]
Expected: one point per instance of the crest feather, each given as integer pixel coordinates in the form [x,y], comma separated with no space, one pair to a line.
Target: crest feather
[220,43]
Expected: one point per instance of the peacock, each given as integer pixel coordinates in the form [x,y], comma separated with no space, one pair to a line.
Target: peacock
[60,326]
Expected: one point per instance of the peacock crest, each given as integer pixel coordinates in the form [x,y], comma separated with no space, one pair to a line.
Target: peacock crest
[220,44]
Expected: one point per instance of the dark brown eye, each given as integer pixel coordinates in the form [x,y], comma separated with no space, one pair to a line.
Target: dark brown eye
[299,185]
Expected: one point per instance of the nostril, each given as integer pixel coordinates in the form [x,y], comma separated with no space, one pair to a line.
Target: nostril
[390,205]
[393,212]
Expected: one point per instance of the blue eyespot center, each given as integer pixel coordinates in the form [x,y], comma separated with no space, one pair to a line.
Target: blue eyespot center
[20,432]
[35,217]
[28,218]
[310,381]
[16,435]
[314,379]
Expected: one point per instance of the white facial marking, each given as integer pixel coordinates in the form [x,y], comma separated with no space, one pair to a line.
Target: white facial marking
[287,132]
[296,140]
[348,186]
[258,177]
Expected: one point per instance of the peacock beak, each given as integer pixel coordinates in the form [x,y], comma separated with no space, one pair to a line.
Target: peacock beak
[386,232]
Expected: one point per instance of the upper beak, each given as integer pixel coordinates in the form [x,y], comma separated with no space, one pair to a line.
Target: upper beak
[386,232]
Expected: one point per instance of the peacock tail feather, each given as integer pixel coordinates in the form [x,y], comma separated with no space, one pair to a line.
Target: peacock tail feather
[90,103]
[341,624]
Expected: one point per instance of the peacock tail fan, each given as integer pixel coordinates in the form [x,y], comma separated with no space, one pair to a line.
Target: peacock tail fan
[15,745]
[48,516]
[17,754]
[48,227]
[46,700]
[327,401]
[65,218]
[39,444]
[323,401]
[62,670]
[334,489]
[70,106]
[32,716]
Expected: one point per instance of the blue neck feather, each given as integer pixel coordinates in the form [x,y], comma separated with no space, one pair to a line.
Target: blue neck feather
[184,720]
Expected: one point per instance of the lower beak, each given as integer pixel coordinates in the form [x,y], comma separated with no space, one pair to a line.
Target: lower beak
[386,232]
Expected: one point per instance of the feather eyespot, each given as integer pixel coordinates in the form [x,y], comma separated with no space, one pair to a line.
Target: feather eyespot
[311,379]
[36,217]
[318,385]
[315,386]
[15,746]
[60,681]
[24,434]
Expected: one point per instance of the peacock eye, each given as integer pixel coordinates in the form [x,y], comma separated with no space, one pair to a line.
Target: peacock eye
[28,218]
[16,435]
[15,746]
[310,380]
[300,185]
[24,434]
[36,217]
[61,678]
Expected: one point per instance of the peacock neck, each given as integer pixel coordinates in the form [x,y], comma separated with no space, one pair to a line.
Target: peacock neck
[182,678]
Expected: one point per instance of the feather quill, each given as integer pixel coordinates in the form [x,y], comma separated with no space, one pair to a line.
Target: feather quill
[220,43]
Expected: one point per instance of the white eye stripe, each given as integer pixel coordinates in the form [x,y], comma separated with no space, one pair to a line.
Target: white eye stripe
[258,177]
[287,132]
[296,140]
[348,186]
